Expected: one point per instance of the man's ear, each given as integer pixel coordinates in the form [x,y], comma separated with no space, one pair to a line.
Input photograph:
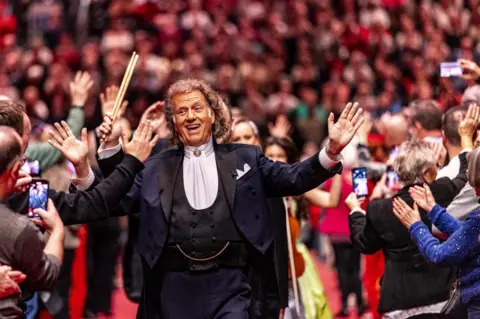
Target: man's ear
[212,115]
[14,172]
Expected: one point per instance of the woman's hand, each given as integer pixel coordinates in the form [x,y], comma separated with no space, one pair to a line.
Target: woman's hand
[423,197]
[405,213]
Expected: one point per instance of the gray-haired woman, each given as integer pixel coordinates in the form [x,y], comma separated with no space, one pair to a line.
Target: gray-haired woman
[410,286]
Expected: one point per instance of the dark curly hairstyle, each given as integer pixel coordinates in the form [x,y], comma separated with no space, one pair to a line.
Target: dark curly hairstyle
[222,125]
[286,144]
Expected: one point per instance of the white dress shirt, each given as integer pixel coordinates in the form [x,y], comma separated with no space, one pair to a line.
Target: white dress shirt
[200,175]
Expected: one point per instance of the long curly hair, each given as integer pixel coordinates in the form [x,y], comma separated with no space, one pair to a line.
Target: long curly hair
[222,125]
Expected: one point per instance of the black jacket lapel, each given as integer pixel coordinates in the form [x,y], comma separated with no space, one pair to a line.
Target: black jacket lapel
[227,171]
[167,178]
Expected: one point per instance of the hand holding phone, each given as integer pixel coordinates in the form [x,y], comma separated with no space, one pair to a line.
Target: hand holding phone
[50,219]
[360,181]
[37,197]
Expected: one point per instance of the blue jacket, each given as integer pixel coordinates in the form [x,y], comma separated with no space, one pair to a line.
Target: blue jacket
[461,249]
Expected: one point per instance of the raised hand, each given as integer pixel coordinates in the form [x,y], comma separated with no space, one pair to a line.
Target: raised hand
[155,114]
[423,197]
[142,143]
[281,128]
[342,132]
[8,286]
[468,126]
[107,100]
[405,213]
[79,88]
[471,71]
[73,149]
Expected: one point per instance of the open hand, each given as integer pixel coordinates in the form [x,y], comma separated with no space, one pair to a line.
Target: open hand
[142,143]
[107,100]
[405,214]
[468,125]
[342,132]
[471,71]
[73,149]
[79,88]
[423,197]
[155,114]
[281,128]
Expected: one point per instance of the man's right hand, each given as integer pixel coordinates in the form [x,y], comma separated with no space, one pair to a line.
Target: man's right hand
[109,131]
[50,219]
[142,143]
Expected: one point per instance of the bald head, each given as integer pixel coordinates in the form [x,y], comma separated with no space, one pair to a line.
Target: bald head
[396,130]
[10,147]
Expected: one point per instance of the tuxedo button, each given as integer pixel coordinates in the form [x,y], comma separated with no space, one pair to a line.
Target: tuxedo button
[194,253]
[254,192]
[214,239]
[194,225]
[257,216]
[194,213]
[211,212]
[193,266]
[193,240]
[212,226]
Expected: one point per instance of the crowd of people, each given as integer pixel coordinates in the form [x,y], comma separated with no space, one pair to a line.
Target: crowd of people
[204,215]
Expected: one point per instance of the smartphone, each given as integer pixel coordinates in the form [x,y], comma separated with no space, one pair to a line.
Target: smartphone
[360,181]
[392,179]
[37,196]
[31,167]
[448,69]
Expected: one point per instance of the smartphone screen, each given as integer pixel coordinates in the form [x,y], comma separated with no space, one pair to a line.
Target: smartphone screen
[37,196]
[392,179]
[360,182]
[448,69]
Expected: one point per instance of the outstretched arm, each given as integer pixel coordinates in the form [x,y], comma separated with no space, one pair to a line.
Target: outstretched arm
[283,180]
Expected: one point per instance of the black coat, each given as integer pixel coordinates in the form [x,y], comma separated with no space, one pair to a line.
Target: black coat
[409,280]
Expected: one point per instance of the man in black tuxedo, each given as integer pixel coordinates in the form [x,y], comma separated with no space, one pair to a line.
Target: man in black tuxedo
[204,216]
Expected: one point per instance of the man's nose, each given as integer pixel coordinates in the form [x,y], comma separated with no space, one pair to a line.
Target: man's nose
[190,115]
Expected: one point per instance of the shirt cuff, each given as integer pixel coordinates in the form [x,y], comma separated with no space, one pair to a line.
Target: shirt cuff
[104,153]
[358,210]
[326,161]
[83,184]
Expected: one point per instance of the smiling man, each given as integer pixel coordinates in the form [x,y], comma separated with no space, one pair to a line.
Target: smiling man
[204,216]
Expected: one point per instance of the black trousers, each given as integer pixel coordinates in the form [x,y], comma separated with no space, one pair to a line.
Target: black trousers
[103,249]
[218,294]
[347,262]
[62,289]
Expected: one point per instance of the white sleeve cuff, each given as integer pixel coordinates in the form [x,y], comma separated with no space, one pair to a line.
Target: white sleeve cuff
[83,184]
[358,210]
[326,161]
[108,152]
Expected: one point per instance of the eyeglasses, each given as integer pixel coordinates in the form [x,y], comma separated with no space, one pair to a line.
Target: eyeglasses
[20,159]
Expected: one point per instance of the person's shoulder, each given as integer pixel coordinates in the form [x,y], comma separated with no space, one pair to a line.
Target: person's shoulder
[237,148]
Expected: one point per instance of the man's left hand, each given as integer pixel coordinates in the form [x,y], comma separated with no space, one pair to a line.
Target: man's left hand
[342,132]
[7,285]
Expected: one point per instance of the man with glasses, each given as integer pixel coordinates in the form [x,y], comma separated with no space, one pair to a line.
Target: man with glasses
[23,247]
